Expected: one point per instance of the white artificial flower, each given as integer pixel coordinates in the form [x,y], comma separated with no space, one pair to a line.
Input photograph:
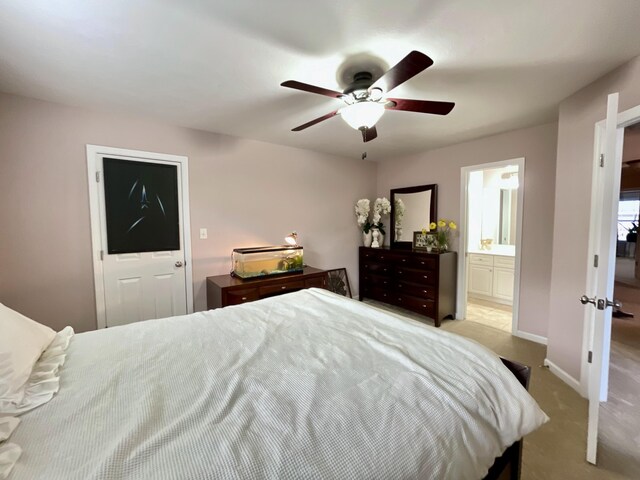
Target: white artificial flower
[362,209]
[382,206]
[399,213]
[385,206]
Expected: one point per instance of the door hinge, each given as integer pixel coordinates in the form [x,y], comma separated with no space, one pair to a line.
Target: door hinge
[595,261]
[602,159]
[590,357]
[101,255]
[98,176]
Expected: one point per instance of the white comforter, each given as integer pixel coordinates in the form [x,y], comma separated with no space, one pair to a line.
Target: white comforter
[305,385]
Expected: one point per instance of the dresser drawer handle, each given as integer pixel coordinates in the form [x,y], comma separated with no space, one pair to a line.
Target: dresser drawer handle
[283,287]
[421,263]
[424,306]
[424,276]
[244,298]
[381,257]
[404,259]
[385,282]
[399,272]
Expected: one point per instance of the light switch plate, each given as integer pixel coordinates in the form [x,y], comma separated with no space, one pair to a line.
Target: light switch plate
[203,234]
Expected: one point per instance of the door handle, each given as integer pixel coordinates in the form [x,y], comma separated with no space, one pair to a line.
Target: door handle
[600,303]
[608,303]
[178,264]
[584,300]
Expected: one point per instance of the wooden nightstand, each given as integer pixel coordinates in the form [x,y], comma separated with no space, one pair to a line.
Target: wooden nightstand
[223,290]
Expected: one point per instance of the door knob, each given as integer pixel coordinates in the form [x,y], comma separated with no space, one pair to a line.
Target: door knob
[600,303]
[584,300]
[615,304]
[178,264]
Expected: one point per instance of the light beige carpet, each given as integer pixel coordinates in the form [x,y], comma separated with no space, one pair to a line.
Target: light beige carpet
[557,450]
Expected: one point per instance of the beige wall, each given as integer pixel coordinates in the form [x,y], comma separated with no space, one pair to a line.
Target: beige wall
[247,193]
[577,117]
[442,166]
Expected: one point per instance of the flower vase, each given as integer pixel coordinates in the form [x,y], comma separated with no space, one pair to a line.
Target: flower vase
[367,238]
[378,238]
[376,235]
[398,232]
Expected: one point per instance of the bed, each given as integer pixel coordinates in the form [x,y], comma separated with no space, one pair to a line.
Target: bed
[304,385]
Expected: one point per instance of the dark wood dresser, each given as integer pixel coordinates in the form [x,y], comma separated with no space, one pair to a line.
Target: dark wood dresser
[224,290]
[422,282]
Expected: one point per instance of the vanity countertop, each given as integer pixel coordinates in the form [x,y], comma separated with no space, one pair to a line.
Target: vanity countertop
[503,250]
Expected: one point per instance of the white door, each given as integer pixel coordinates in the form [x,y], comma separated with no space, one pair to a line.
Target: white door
[602,272]
[142,239]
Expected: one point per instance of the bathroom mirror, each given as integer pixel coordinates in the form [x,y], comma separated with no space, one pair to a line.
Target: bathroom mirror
[412,209]
[508,208]
[492,195]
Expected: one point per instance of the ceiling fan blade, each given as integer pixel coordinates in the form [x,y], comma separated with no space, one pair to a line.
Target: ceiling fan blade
[313,122]
[369,134]
[305,87]
[408,67]
[420,106]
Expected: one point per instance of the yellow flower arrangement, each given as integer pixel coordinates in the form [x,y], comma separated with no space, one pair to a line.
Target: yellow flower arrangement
[443,232]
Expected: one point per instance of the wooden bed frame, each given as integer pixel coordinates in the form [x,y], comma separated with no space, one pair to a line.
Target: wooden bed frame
[507,466]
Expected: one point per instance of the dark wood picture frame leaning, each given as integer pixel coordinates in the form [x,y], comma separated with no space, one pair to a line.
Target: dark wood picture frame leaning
[338,282]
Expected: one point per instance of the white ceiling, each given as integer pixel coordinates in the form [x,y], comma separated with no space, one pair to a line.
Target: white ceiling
[217,65]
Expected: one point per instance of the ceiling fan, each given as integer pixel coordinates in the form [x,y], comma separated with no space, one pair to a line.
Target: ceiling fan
[366,100]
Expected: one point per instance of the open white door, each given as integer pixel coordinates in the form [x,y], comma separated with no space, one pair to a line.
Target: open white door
[602,257]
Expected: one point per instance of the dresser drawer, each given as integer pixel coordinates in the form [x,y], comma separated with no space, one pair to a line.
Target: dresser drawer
[420,291]
[375,255]
[423,263]
[376,268]
[284,287]
[506,262]
[423,277]
[378,281]
[421,305]
[319,282]
[238,296]
[381,294]
[479,259]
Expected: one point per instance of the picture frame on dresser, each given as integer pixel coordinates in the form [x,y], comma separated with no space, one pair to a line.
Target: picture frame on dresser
[424,241]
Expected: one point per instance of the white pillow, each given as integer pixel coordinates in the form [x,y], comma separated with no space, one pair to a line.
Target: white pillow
[22,341]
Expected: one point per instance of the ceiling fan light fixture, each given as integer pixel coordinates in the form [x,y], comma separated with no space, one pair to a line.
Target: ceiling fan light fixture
[375,94]
[362,114]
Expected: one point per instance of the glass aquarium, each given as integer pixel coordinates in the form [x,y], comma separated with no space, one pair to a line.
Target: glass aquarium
[261,261]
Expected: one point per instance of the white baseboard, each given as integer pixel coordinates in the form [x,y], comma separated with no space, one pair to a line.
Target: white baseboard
[564,376]
[532,337]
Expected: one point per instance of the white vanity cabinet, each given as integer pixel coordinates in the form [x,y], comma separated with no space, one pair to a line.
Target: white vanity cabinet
[491,277]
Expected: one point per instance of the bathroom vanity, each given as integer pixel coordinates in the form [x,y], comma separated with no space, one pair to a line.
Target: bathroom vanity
[491,276]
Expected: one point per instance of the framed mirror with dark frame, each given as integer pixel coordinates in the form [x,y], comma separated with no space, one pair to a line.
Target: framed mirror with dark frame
[412,209]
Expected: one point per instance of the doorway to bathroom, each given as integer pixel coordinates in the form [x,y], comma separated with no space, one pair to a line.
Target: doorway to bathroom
[489,262]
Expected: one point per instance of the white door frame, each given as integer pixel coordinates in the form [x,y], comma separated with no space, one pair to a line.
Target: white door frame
[461,299]
[93,151]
